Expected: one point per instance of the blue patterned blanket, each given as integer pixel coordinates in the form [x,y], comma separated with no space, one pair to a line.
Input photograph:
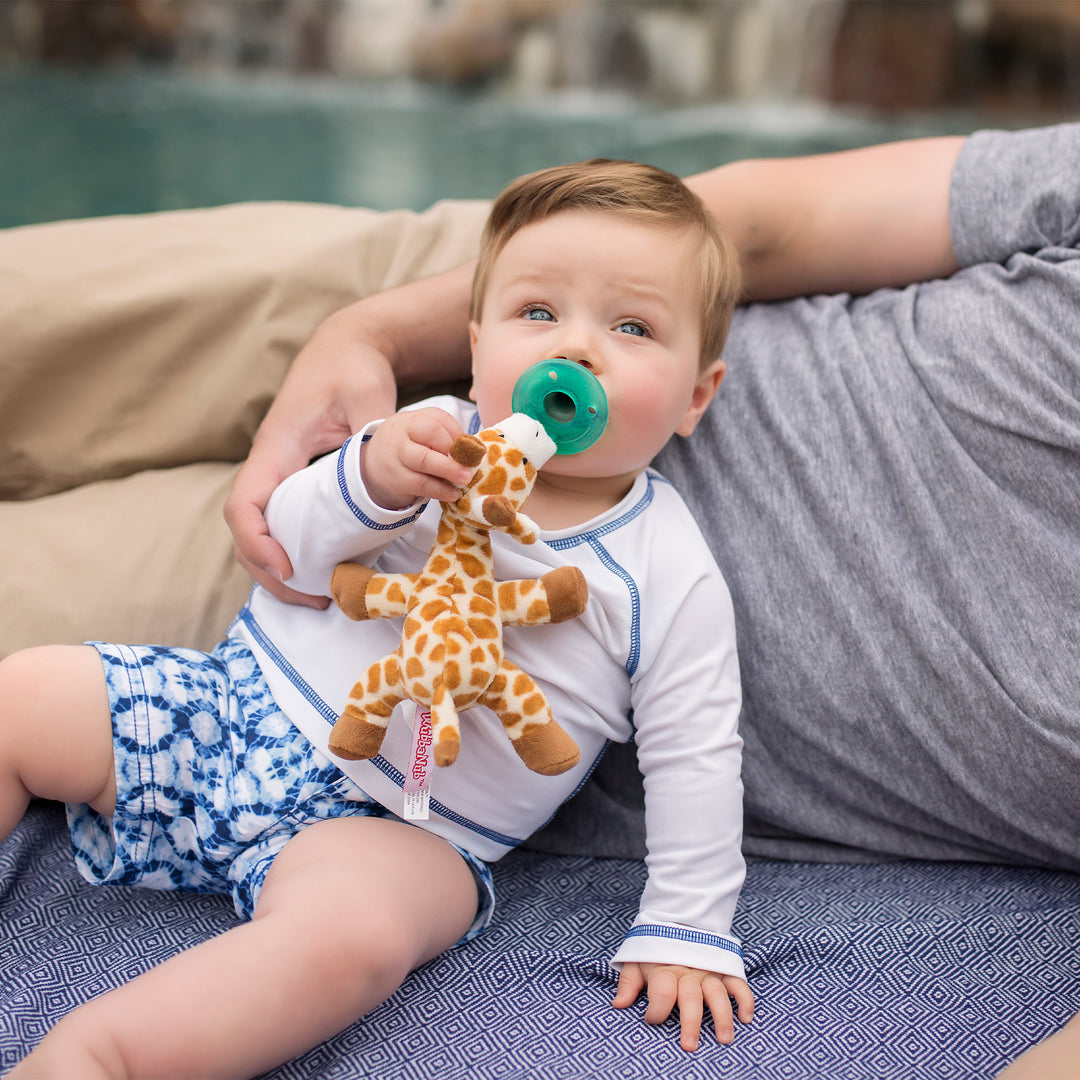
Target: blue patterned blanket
[905,970]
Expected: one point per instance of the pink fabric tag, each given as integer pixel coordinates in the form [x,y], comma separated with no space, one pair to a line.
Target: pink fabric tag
[417,785]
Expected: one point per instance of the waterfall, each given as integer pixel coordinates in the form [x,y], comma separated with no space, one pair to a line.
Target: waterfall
[885,54]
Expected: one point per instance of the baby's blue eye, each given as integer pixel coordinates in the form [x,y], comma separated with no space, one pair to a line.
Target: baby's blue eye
[539,314]
[633,328]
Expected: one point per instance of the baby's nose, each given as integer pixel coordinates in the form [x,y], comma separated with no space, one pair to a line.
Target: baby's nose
[577,356]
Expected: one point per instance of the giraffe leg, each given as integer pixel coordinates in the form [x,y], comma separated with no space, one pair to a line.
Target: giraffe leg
[558,596]
[535,734]
[363,594]
[445,727]
[348,586]
[360,729]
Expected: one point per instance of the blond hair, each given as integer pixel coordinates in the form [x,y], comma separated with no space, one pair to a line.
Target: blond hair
[633,191]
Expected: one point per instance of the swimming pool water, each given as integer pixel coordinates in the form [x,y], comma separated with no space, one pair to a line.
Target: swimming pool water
[78,145]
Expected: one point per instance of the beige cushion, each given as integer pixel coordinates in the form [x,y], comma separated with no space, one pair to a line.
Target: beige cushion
[137,356]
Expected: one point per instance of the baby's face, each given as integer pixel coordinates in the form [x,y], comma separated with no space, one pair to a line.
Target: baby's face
[620,298]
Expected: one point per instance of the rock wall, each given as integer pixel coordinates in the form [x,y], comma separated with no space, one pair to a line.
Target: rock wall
[887,54]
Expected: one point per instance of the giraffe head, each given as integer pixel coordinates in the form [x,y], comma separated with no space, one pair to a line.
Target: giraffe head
[507,458]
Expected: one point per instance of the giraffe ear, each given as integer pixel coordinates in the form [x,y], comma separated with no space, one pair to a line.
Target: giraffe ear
[498,510]
[467,450]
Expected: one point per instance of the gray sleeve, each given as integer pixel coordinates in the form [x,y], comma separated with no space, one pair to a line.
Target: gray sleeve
[1016,192]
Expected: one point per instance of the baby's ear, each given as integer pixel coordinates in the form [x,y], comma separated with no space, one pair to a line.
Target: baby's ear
[704,391]
[474,330]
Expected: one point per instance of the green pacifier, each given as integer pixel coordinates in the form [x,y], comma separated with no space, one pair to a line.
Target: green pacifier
[567,399]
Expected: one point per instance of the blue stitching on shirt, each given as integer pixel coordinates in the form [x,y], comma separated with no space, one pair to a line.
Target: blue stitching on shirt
[564,543]
[694,937]
[592,768]
[330,716]
[343,487]
[592,538]
[635,603]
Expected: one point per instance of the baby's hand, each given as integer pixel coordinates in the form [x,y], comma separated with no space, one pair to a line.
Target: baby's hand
[668,985]
[408,459]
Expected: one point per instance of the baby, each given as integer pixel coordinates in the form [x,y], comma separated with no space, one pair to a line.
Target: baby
[213,771]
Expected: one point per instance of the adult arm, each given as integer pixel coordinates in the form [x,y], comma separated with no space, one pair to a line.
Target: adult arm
[346,376]
[850,221]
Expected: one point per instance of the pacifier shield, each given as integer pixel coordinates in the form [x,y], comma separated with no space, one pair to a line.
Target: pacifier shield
[567,399]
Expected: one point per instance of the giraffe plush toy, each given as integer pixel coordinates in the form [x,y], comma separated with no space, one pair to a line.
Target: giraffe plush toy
[451,652]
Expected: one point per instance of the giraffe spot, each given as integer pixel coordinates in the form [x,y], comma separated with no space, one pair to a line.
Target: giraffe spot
[480,605]
[479,678]
[496,652]
[444,534]
[439,564]
[522,684]
[449,625]
[396,594]
[498,685]
[508,596]
[514,457]
[477,656]
[454,646]
[518,484]
[432,610]
[374,681]
[438,653]
[471,566]
[452,675]
[418,691]
[486,588]
[379,709]
[538,611]
[466,542]
[411,627]
[420,644]
[494,483]
[413,668]
[494,452]
[484,629]
[464,504]
[534,704]
[511,719]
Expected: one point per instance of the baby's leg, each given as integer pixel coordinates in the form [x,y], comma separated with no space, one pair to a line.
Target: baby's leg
[350,907]
[55,731]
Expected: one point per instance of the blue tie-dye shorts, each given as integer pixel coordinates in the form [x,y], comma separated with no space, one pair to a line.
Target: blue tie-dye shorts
[212,779]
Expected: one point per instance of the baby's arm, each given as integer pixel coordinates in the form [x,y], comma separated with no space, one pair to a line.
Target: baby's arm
[686,701]
[352,503]
[691,989]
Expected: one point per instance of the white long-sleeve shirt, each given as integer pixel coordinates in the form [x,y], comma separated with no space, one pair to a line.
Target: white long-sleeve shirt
[652,658]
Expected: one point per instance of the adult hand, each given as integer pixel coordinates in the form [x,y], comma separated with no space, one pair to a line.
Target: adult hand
[343,378]
[338,382]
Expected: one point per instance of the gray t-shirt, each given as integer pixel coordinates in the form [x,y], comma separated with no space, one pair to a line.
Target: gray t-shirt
[891,485]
